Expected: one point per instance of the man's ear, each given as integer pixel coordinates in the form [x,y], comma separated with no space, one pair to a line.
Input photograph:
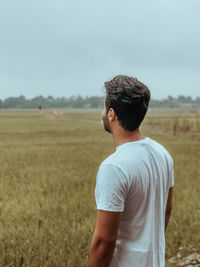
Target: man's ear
[111,114]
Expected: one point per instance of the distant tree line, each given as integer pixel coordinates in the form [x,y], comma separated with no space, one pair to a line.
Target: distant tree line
[89,102]
[51,102]
[172,102]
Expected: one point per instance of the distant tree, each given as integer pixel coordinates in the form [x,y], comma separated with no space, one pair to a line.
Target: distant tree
[181,98]
[197,102]
[20,101]
[96,102]
[10,102]
[1,103]
[37,101]
[78,102]
[50,99]
[170,98]
[189,98]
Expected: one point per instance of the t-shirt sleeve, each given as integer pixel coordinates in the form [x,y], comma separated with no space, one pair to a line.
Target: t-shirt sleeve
[110,191]
[171,178]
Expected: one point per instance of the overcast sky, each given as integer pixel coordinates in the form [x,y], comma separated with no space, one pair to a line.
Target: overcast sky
[65,47]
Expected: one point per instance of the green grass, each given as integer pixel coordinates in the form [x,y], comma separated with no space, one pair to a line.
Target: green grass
[47,179]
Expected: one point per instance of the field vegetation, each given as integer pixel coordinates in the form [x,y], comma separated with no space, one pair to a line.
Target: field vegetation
[175,121]
[47,179]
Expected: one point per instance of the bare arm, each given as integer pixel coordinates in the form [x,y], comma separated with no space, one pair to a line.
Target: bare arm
[104,238]
[168,207]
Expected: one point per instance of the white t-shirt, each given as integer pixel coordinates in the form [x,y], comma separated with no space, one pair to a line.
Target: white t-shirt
[136,179]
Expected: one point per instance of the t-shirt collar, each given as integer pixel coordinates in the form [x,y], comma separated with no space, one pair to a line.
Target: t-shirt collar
[141,141]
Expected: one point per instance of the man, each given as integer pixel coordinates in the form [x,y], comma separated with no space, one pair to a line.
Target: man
[134,185]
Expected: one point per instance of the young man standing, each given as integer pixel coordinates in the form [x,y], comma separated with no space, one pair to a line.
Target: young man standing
[134,185]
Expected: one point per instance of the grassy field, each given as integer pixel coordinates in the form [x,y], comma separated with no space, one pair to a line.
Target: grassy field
[175,121]
[47,179]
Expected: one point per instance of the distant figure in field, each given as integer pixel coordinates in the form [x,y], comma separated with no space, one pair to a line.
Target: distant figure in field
[49,114]
[134,185]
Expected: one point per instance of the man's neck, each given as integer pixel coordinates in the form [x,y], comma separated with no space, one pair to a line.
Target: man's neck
[121,137]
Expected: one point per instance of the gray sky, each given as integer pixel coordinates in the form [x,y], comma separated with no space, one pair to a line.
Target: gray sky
[65,47]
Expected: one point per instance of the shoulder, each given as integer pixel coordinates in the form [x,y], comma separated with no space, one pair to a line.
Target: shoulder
[111,169]
[113,164]
[161,149]
[110,159]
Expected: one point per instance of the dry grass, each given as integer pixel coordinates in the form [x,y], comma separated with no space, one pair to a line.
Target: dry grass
[47,179]
[175,121]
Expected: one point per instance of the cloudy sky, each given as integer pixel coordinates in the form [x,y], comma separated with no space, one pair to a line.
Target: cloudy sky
[65,47]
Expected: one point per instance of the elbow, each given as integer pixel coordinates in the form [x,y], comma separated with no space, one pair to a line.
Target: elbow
[100,244]
[101,252]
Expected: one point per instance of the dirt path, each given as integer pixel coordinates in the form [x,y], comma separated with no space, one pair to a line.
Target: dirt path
[191,260]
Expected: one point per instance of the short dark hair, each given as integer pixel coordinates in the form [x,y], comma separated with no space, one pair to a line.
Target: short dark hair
[129,98]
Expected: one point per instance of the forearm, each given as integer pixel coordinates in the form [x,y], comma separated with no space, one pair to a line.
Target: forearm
[101,253]
[167,216]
